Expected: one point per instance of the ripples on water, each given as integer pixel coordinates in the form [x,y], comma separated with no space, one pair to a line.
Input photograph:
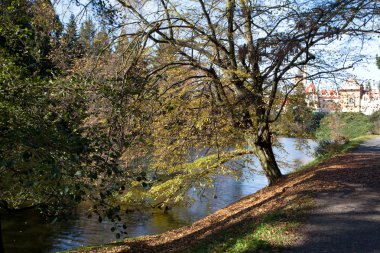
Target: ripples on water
[27,232]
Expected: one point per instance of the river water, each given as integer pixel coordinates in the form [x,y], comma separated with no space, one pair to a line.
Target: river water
[27,232]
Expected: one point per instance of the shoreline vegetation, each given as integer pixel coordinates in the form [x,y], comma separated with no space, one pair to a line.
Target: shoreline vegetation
[264,221]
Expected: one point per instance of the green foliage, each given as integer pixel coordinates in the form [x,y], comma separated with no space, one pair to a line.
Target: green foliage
[26,37]
[314,122]
[375,119]
[48,157]
[70,49]
[101,43]
[323,132]
[70,35]
[86,35]
[298,119]
[171,185]
[339,126]
[41,146]
[328,149]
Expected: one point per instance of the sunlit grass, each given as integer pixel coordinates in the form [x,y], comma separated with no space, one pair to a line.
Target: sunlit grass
[344,148]
[271,233]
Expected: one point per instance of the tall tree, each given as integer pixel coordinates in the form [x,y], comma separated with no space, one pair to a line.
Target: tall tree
[101,44]
[71,36]
[52,152]
[70,47]
[32,26]
[242,53]
[28,125]
[46,161]
[86,35]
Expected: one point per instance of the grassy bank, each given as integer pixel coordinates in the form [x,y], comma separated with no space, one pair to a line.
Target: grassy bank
[271,232]
[341,149]
[266,221]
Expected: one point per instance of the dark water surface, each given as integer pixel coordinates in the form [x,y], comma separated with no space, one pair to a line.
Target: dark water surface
[27,232]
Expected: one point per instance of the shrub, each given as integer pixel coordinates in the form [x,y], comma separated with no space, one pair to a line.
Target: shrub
[341,125]
[315,122]
[329,147]
[375,120]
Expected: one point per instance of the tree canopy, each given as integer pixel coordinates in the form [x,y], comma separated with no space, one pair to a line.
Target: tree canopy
[233,65]
[41,144]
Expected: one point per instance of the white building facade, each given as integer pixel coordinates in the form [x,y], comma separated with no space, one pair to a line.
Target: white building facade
[351,97]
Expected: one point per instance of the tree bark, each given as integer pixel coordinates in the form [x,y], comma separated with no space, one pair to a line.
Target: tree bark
[268,163]
[262,145]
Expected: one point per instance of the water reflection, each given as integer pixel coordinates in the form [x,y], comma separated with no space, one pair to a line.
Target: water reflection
[27,232]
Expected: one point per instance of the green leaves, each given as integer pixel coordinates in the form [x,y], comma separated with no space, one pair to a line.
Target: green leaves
[347,125]
[78,173]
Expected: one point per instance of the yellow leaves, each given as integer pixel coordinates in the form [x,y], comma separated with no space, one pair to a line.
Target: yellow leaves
[103,121]
[240,73]
[135,196]
[176,181]
[203,120]
[170,188]
[135,184]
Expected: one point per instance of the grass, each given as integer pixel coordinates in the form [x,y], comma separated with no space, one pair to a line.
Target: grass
[271,233]
[344,148]
[107,248]
[354,143]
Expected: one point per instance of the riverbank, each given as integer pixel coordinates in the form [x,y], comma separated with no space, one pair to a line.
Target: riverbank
[266,220]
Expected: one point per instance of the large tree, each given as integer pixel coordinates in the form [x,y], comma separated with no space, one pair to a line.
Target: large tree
[64,117]
[47,162]
[86,35]
[69,47]
[233,58]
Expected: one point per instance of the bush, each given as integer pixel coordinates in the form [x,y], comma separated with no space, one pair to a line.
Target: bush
[375,120]
[341,125]
[329,147]
[315,122]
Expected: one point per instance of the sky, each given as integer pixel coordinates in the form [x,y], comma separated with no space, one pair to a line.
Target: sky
[64,8]
[368,69]
[365,71]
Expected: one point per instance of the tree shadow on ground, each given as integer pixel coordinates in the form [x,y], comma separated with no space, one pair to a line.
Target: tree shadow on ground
[347,218]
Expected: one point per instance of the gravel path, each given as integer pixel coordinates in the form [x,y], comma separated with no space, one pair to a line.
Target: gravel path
[348,219]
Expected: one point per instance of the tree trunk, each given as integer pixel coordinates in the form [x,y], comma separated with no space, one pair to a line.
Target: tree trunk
[262,146]
[268,163]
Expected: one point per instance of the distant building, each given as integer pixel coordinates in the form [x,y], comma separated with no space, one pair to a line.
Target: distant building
[351,97]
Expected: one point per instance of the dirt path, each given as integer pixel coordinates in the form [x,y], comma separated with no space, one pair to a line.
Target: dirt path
[347,219]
